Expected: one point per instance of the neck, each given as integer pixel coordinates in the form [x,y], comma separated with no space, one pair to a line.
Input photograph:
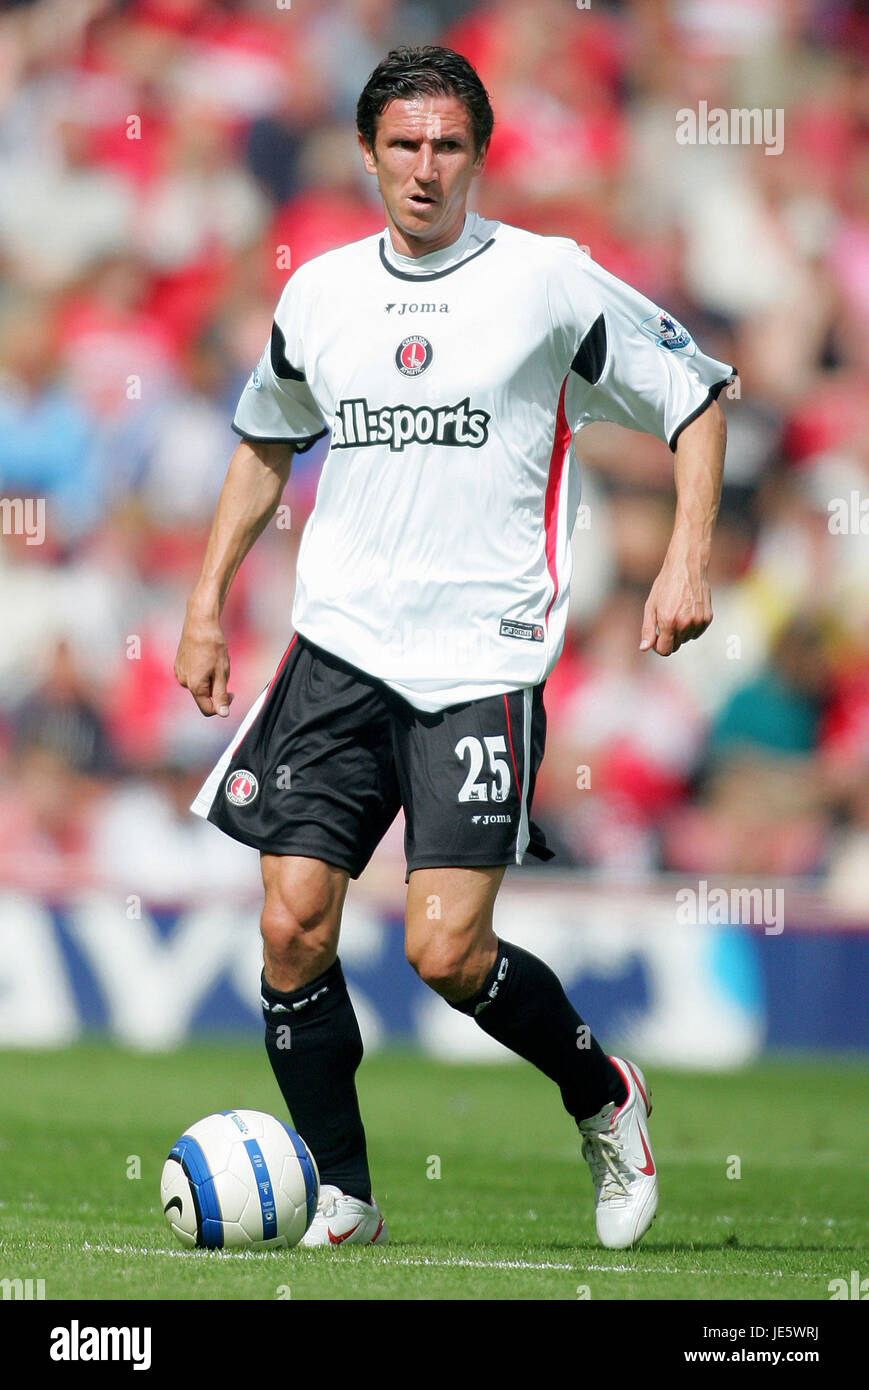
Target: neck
[406,244]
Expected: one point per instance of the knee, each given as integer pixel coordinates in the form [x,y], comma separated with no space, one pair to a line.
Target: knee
[451,968]
[299,924]
[291,913]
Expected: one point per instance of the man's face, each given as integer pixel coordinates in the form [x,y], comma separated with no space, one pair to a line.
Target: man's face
[424,161]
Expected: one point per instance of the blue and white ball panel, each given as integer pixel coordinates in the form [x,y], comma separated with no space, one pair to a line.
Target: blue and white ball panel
[309,1168]
[195,1166]
[265,1190]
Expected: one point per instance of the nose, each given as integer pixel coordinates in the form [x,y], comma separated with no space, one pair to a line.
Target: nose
[425,166]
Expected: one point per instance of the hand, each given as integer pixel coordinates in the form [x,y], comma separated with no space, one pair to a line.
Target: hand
[679,606]
[202,664]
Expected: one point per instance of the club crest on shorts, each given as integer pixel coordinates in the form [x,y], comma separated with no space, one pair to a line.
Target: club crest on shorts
[241,787]
[413,355]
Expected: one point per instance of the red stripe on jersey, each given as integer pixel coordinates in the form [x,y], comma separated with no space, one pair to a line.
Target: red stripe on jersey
[241,737]
[560,445]
[281,665]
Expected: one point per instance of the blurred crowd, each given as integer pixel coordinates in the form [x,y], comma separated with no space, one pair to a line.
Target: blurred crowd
[163,163]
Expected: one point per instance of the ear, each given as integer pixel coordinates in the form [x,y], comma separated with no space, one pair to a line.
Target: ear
[480,161]
[368,158]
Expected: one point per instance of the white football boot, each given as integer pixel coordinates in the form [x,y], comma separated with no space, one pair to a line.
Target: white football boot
[615,1144]
[343,1220]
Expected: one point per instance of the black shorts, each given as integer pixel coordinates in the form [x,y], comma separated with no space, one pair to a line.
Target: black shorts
[328,755]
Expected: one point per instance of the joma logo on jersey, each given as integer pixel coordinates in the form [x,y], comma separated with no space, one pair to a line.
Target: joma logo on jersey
[357,425]
[408,308]
[526,632]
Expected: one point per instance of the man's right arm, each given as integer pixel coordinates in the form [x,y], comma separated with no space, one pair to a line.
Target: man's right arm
[255,480]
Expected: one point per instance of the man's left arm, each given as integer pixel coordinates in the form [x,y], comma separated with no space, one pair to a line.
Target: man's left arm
[679,606]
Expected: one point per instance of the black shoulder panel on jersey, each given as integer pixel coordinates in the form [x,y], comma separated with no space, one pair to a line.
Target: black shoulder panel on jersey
[280,366]
[590,360]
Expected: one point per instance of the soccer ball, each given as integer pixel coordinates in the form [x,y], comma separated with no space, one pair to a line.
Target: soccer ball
[240,1178]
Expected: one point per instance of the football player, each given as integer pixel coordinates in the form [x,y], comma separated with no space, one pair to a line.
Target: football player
[453,359]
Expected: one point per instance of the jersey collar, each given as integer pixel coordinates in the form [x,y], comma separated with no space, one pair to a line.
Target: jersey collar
[470,243]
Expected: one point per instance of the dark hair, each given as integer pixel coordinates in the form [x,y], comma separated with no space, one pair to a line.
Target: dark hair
[406,72]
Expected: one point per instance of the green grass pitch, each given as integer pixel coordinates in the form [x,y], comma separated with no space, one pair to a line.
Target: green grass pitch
[509,1217]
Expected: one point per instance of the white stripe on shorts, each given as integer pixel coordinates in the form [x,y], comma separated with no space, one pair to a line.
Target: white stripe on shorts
[523,835]
[204,799]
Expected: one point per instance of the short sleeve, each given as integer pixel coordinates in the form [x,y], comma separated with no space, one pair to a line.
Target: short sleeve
[634,363]
[277,403]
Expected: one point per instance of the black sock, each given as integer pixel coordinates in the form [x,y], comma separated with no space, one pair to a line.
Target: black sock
[522,1004]
[314,1046]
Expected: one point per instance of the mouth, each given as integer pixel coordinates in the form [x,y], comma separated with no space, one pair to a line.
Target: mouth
[421,200]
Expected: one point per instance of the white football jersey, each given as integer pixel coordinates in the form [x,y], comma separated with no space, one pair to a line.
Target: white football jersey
[437,556]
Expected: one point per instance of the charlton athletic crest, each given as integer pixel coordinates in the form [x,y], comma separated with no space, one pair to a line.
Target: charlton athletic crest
[241,787]
[413,355]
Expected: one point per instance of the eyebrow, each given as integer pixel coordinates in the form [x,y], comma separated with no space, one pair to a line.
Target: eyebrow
[398,135]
